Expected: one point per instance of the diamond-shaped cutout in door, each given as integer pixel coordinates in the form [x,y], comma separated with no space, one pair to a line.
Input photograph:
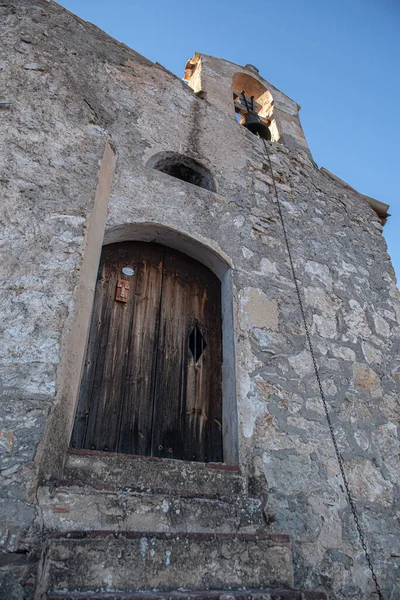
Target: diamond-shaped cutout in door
[197,343]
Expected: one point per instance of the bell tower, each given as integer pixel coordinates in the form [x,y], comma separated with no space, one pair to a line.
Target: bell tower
[262,106]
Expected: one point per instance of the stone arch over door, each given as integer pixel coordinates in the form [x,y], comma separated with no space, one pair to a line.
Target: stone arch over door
[209,254]
[51,456]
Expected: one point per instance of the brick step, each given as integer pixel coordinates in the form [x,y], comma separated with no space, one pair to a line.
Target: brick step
[66,506]
[132,561]
[264,594]
[157,475]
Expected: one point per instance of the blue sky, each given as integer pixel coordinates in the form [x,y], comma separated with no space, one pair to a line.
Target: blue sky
[338,59]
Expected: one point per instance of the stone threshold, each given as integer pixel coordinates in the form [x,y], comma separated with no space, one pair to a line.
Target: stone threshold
[105,470]
[165,461]
[274,538]
[56,484]
[262,594]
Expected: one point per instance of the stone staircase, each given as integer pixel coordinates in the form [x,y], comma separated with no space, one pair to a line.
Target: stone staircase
[144,529]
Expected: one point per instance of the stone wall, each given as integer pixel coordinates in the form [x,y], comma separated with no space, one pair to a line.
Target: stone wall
[78,99]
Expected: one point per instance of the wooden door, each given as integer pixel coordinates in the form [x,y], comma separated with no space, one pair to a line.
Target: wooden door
[152,377]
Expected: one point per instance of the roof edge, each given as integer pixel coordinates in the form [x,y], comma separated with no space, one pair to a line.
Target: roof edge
[379,207]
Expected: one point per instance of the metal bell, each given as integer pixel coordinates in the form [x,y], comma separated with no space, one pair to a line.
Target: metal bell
[253,123]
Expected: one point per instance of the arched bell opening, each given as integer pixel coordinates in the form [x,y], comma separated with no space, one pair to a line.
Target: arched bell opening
[254,106]
[184,168]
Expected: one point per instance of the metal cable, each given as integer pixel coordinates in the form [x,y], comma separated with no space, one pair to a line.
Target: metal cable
[328,418]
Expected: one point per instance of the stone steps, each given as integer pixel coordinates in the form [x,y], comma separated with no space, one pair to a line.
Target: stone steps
[137,528]
[66,506]
[148,561]
[263,594]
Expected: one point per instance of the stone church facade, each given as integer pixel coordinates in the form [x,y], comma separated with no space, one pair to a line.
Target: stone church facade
[162,431]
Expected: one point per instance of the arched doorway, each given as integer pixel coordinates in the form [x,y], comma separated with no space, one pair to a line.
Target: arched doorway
[151,383]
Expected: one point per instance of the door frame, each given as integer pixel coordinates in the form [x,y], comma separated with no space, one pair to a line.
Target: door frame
[52,451]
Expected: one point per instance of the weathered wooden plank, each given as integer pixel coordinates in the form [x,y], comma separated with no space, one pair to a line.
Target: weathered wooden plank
[187,404]
[140,354]
[105,352]
[115,407]
[103,428]
[204,396]
[169,397]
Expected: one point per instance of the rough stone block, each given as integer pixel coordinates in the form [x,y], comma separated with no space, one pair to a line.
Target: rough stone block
[262,594]
[158,475]
[132,561]
[80,508]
